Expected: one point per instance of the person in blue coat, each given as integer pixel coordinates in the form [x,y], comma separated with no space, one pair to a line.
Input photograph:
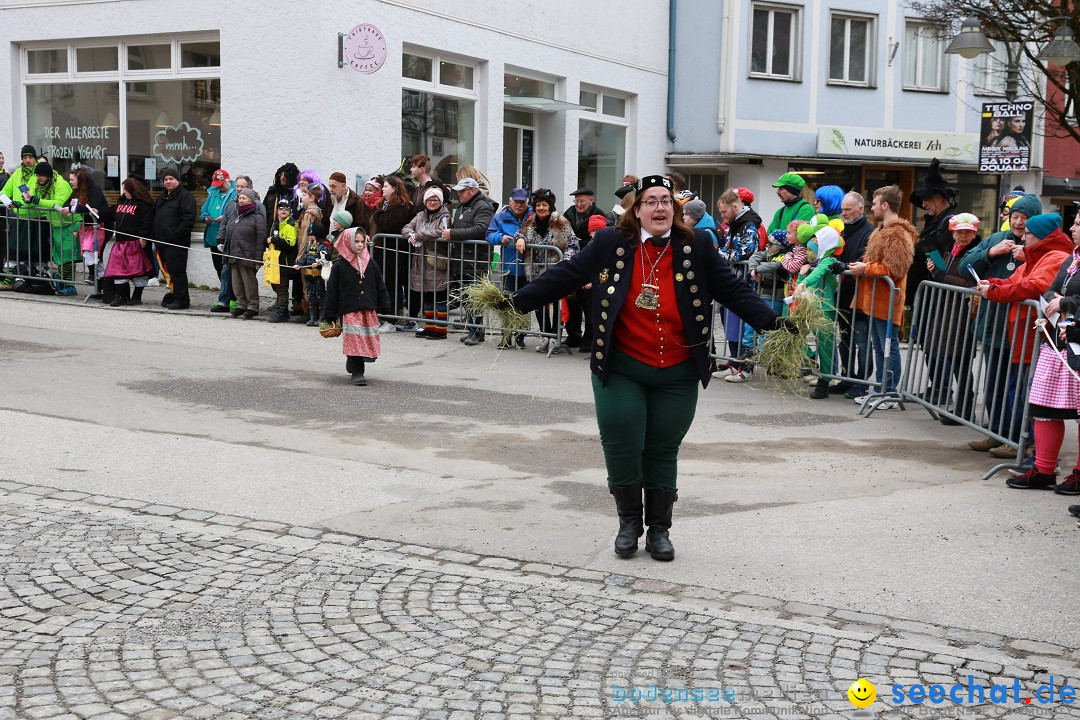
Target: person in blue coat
[654,284]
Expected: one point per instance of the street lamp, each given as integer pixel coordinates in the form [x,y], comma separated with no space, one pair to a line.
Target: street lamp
[970,43]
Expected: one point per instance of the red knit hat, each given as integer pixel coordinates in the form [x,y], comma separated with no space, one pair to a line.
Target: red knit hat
[745,195]
[597,222]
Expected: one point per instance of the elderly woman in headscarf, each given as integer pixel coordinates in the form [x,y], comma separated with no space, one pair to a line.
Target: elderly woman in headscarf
[429,273]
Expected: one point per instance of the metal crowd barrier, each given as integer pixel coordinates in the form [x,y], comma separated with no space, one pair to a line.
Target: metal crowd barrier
[436,272]
[961,369]
[41,251]
[850,344]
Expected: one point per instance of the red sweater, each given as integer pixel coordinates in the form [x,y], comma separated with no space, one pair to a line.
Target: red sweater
[654,337]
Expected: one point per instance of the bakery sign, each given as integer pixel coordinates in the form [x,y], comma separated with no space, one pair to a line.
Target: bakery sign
[363,48]
[897,144]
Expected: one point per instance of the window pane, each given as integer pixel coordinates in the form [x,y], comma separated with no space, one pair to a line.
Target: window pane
[759,42]
[931,60]
[601,154]
[46,61]
[441,128]
[416,67]
[911,54]
[168,123]
[200,54]
[76,124]
[149,57]
[836,49]
[614,106]
[517,86]
[781,50]
[857,64]
[454,75]
[587,100]
[102,59]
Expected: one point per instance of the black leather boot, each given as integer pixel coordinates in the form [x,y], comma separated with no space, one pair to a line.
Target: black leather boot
[631,527]
[821,390]
[658,505]
[123,294]
[136,296]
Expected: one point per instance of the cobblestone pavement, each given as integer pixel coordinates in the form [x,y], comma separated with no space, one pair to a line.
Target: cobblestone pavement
[111,608]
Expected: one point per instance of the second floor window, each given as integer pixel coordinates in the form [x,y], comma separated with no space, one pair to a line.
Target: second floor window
[924,63]
[851,50]
[774,46]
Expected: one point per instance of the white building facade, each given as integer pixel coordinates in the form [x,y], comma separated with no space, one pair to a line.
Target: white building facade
[553,94]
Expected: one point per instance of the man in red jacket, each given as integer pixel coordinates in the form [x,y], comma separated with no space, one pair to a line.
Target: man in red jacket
[1045,247]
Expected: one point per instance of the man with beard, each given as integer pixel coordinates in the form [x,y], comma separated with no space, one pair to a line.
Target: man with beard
[789,189]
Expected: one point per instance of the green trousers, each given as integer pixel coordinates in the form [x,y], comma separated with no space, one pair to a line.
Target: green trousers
[643,415]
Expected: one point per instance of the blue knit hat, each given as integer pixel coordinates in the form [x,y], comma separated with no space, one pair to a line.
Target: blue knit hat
[1042,225]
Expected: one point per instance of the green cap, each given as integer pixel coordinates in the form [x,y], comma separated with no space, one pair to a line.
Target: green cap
[791,180]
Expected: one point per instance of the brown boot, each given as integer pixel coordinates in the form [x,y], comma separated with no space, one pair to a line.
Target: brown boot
[985,445]
[1003,452]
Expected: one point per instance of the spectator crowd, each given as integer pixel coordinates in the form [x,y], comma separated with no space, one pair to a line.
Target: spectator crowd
[404,245]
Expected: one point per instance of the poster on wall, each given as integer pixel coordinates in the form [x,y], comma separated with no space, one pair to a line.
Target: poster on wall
[1005,137]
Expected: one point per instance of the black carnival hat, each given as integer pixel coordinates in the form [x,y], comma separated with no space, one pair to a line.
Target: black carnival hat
[650,181]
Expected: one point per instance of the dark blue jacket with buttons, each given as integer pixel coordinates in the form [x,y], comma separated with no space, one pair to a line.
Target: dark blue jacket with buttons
[701,277]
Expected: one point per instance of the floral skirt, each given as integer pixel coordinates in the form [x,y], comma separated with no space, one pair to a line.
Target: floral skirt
[360,334]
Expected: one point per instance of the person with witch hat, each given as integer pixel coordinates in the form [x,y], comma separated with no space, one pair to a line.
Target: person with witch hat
[654,284]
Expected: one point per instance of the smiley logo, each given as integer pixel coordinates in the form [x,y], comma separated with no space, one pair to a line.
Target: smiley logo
[862,693]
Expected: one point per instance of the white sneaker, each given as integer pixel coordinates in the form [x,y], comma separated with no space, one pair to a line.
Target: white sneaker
[738,376]
[810,379]
[721,374]
[153,282]
[386,327]
[544,345]
[887,405]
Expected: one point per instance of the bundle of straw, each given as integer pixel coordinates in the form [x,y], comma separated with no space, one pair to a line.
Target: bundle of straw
[485,297]
[783,353]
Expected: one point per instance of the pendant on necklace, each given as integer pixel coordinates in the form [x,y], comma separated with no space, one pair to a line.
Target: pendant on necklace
[1011,266]
[648,299]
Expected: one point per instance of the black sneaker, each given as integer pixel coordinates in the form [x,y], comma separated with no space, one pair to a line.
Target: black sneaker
[1070,485]
[219,309]
[358,378]
[1033,480]
[280,315]
[1074,510]
[248,314]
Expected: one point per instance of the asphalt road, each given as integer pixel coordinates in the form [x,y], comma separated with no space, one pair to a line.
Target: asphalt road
[496,453]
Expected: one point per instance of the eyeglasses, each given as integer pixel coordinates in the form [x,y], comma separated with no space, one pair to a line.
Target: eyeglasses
[652,204]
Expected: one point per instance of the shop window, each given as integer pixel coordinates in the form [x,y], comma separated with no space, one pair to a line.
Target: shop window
[174,129]
[602,131]
[851,50]
[47,62]
[149,57]
[73,124]
[774,42]
[438,111]
[96,59]
[924,59]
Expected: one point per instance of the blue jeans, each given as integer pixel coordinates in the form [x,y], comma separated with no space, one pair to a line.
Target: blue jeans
[880,331]
[226,293]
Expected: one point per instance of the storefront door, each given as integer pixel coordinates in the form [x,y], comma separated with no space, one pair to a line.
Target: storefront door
[876,176]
